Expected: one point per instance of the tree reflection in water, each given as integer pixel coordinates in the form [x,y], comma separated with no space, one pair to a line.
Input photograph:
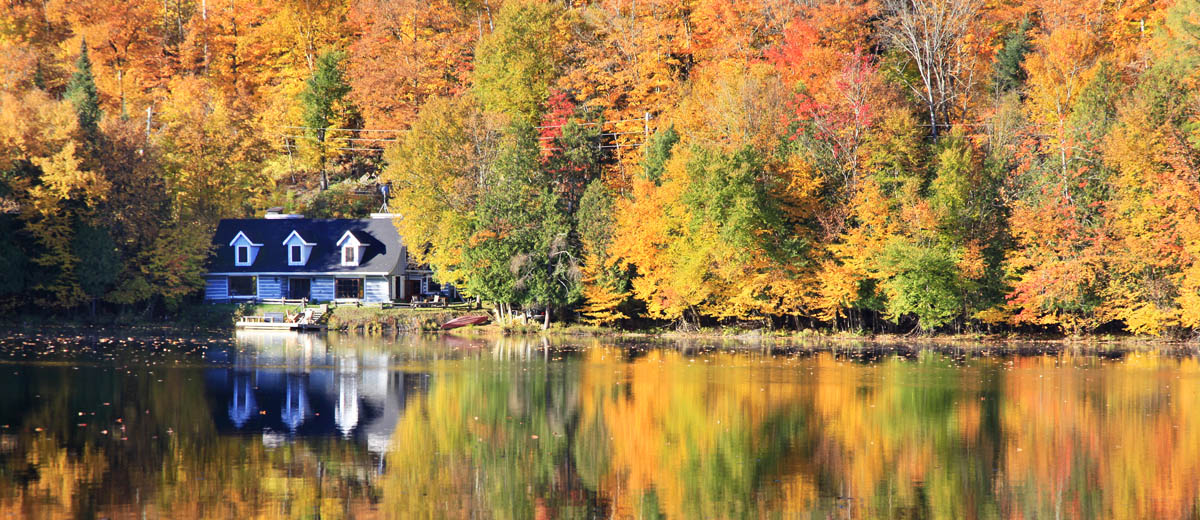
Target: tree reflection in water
[303,426]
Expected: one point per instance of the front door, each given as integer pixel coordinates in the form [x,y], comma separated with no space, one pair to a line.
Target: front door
[299,288]
[412,288]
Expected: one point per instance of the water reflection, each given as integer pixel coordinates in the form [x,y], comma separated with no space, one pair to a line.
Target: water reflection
[292,425]
[286,385]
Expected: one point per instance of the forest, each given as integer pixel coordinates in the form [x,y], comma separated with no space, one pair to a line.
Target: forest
[869,165]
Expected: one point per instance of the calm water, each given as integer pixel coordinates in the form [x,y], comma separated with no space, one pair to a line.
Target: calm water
[274,425]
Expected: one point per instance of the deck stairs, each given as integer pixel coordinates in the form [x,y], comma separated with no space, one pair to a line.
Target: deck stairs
[318,315]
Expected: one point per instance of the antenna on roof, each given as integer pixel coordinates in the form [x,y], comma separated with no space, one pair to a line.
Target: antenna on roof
[384,189]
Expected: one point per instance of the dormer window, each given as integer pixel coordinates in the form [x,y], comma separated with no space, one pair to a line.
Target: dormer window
[244,250]
[352,249]
[298,249]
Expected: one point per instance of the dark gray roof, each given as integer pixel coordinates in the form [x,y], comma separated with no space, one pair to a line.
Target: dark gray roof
[383,252]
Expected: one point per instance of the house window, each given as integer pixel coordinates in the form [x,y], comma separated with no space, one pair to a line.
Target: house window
[348,288]
[295,255]
[243,285]
[349,255]
[243,255]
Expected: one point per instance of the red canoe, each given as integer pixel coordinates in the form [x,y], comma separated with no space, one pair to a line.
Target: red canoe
[463,321]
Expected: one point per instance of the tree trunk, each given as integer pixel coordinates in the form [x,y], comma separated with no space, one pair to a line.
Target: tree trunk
[546,318]
[324,171]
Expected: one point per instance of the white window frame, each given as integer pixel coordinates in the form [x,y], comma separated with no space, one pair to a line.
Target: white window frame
[237,258]
[353,255]
[295,254]
[295,240]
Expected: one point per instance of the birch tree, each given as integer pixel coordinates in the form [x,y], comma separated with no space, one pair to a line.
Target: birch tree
[932,34]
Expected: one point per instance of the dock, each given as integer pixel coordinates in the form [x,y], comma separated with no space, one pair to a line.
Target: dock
[307,320]
[252,324]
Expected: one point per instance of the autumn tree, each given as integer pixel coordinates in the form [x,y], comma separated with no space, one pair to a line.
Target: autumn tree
[1152,218]
[137,206]
[438,171]
[517,63]
[127,43]
[51,190]
[605,285]
[409,51]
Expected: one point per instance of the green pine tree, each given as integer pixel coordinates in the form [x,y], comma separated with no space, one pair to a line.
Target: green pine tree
[1008,72]
[82,93]
[100,261]
[658,152]
[521,250]
[323,98]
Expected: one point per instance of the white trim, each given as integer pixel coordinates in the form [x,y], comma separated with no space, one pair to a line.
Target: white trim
[237,255]
[302,273]
[351,236]
[299,250]
[297,235]
[353,257]
[243,235]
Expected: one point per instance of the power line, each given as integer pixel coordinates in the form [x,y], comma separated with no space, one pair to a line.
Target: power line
[643,119]
[339,129]
[311,138]
[599,123]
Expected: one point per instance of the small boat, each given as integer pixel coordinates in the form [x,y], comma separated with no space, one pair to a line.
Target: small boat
[463,321]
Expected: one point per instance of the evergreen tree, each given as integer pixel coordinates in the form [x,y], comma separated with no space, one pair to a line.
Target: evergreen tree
[99,261]
[323,97]
[82,93]
[658,150]
[13,260]
[520,250]
[1008,73]
[576,162]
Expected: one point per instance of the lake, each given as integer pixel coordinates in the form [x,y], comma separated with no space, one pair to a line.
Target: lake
[280,425]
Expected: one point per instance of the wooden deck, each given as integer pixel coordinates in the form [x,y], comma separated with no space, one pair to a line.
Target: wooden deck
[271,325]
[304,319]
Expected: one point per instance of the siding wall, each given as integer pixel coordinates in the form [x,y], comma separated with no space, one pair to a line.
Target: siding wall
[322,288]
[375,289]
[270,286]
[216,288]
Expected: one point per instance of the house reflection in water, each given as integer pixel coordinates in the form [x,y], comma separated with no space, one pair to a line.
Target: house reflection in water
[286,384]
[242,406]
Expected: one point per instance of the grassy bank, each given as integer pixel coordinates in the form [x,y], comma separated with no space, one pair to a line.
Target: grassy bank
[790,336]
[376,319]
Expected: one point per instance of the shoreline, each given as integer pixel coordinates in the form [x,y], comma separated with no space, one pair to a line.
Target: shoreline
[208,320]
